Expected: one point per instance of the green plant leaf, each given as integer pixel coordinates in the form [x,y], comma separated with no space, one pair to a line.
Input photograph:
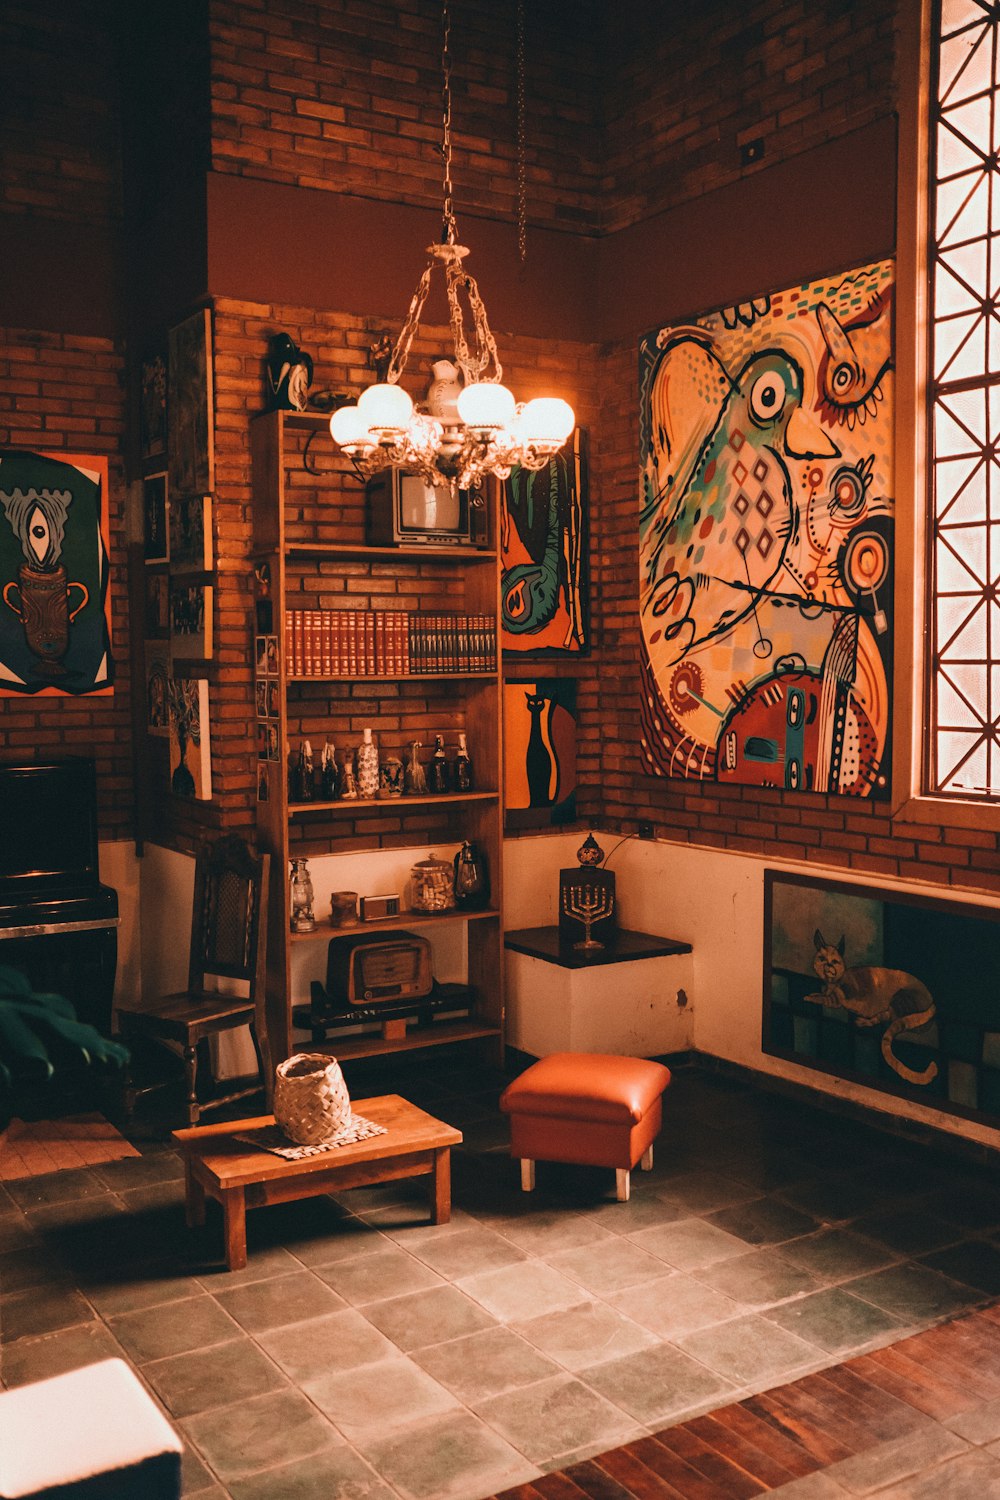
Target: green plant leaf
[19,1043]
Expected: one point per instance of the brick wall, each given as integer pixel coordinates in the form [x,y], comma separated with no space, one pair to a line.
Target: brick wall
[63,393]
[687,87]
[346,98]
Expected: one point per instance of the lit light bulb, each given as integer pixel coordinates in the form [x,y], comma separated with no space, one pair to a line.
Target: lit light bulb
[385,408]
[485,405]
[546,420]
[349,428]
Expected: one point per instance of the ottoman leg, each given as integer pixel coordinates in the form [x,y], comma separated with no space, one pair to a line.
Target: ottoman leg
[527,1174]
[622,1184]
[646,1159]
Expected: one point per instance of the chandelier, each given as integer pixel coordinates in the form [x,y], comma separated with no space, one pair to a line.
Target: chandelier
[469,425]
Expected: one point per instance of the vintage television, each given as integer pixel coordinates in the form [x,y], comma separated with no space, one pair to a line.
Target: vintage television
[403,510]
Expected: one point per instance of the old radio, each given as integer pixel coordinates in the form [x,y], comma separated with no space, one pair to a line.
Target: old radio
[364,970]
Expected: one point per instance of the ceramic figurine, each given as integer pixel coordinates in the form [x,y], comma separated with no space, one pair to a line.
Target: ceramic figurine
[391,777]
[289,375]
[350,791]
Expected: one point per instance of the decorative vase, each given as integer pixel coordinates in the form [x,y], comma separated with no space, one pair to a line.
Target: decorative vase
[367,766]
[443,392]
[330,775]
[391,777]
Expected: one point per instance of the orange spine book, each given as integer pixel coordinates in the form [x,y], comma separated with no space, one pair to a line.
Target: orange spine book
[403,643]
[368,626]
[381,645]
[491,642]
[290,641]
[352,643]
[298,643]
[326,642]
[463,642]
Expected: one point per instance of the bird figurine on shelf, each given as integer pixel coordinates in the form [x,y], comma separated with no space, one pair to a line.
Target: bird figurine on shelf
[289,375]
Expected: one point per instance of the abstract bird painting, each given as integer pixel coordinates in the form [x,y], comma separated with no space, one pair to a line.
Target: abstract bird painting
[765,540]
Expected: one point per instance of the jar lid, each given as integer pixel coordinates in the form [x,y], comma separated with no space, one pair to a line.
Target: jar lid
[432,863]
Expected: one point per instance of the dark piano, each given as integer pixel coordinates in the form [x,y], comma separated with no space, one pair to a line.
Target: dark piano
[57,922]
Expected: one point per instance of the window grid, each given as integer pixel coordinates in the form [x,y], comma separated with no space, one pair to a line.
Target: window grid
[964,430]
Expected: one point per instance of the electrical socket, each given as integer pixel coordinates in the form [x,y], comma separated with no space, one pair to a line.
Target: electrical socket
[645,830]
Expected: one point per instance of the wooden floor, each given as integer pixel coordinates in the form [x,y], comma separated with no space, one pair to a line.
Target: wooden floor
[947,1375]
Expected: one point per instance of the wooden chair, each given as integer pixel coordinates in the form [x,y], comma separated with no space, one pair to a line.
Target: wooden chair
[228,941]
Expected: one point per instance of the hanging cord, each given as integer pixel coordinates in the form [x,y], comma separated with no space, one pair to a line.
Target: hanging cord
[604,862]
[522,190]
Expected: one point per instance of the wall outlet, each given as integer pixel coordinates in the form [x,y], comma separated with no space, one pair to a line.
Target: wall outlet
[645,830]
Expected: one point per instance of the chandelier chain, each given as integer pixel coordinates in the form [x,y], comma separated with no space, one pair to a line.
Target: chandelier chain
[448,227]
[522,187]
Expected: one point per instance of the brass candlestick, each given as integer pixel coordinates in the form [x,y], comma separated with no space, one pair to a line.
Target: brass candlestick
[588,904]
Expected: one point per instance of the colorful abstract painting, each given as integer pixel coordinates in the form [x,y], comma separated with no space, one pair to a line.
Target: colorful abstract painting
[544,578]
[766,540]
[55,607]
[539,752]
[894,991]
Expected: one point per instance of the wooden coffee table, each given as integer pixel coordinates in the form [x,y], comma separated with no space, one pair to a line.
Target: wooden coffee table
[241,1176]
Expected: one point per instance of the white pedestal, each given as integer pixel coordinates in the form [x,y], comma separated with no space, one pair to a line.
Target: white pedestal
[628,1007]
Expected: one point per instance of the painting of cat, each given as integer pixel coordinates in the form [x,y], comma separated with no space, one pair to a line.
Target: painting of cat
[876,997]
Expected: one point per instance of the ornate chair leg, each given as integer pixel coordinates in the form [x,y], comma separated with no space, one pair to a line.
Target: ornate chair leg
[190,1076]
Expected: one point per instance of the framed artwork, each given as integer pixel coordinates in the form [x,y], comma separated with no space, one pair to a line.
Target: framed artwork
[155,523]
[153,405]
[260,697]
[544,556]
[191,619]
[158,689]
[190,534]
[190,750]
[539,751]
[55,607]
[157,605]
[766,540]
[894,991]
[190,401]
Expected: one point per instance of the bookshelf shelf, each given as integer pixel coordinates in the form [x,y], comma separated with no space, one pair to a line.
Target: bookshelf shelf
[429,607]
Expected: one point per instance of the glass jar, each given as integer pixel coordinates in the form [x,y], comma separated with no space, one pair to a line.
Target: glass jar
[433,885]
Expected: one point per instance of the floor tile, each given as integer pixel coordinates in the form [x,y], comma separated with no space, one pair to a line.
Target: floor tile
[979,1425]
[335,1472]
[838,1255]
[608,1267]
[373,1398]
[468,1252]
[913,1293]
[484,1364]
[657,1384]
[175,1328]
[749,1351]
[835,1321]
[148,1287]
[759,1279]
[763,1221]
[703,1192]
[674,1305]
[972,1476]
[976,1263]
[28,1359]
[337,1341]
[279,1301]
[203,1378]
[554,1417]
[689,1243]
[428,1317]
[549,1232]
[585,1334]
[452,1457]
[909,1231]
[377,1274]
[890,1462]
[261,1433]
[516,1293]
[43,1309]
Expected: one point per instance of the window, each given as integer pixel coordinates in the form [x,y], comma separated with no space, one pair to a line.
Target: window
[964,392]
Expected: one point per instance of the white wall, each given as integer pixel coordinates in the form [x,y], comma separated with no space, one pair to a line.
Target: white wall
[715,901]
[120,869]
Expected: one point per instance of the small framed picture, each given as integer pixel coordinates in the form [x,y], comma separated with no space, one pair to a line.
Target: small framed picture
[153,404]
[155,526]
[262,742]
[273,751]
[260,655]
[260,693]
[273,700]
[157,606]
[191,620]
[190,533]
[158,689]
[271,655]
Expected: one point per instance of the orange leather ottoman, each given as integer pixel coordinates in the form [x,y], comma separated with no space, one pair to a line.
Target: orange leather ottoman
[594,1108]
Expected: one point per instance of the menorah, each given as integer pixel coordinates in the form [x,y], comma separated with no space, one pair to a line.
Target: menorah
[587,903]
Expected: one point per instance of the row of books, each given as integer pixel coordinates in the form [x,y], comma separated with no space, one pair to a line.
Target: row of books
[387,642]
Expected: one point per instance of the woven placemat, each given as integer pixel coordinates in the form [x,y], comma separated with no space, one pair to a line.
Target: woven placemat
[272,1138]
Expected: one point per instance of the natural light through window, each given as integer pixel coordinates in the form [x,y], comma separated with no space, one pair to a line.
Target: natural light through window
[965,396]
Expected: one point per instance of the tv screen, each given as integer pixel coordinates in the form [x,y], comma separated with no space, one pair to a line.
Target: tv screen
[48,826]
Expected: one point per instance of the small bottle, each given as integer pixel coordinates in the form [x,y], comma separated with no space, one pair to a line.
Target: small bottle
[437,771]
[367,766]
[330,782]
[304,773]
[463,767]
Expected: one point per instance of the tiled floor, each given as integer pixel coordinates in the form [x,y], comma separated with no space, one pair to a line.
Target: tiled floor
[366,1354]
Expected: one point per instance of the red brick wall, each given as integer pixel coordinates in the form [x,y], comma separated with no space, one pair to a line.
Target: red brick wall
[348,99]
[63,393]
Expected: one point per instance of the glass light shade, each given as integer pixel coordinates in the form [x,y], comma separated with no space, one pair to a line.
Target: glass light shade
[546,419]
[385,407]
[349,428]
[485,404]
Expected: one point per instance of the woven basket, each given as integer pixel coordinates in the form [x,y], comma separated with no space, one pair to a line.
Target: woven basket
[311,1102]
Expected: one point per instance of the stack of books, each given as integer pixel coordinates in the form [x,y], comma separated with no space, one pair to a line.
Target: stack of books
[387,642]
